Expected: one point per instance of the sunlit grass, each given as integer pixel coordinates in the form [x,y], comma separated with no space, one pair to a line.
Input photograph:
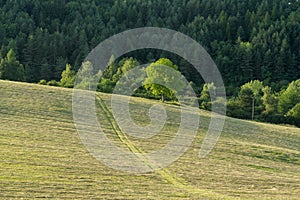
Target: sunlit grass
[43,157]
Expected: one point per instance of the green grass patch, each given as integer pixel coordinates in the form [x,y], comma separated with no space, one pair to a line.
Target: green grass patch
[42,156]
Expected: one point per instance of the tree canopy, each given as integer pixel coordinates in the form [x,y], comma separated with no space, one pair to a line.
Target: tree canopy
[258,39]
[10,68]
[248,40]
[289,97]
[163,78]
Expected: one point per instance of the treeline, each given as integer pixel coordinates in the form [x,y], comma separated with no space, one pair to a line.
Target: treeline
[254,100]
[249,40]
[258,101]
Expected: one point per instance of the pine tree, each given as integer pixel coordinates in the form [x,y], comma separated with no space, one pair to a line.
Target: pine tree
[67,77]
[11,69]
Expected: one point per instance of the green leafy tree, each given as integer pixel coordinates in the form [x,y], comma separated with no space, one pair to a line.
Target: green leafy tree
[205,99]
[67,77]
[130,82]
[256,86]
[106,85]
[295,113]
[246,97]
[250,98]
[127,65]
[111,69]
[270,100]
[289,97]
[158,76]
[114,72]
[86,77]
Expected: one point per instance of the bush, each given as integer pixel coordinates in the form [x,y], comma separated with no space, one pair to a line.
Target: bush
[279,119]
[53,83]
[42,82]
[219,104]
[273,118]
[106,86]
[234,109]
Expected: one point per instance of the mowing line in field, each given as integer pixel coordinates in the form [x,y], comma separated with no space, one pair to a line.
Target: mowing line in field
[166,174]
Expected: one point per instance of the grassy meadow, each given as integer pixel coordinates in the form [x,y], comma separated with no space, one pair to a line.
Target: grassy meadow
[42,155]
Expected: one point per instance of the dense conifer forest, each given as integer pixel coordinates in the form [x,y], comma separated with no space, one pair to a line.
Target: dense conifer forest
[248,40]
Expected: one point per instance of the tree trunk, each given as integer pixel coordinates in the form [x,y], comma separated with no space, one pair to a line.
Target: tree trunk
[253,107]
[162,98]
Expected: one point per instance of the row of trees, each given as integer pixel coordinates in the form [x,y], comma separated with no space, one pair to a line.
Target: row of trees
[161,80]
[258,101]
[155,80]
[258,38]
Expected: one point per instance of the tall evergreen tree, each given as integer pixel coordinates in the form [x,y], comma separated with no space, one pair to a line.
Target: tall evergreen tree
[67,77]
[10,68]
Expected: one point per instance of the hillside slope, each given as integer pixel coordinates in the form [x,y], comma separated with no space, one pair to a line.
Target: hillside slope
[42,155]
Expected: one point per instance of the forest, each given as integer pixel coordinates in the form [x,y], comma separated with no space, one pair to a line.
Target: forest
[255,45]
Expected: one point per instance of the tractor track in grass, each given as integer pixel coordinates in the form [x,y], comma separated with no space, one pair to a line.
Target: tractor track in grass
[43,156]
[166,174]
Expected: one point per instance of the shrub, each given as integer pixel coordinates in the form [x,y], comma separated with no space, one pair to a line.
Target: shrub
[42,82]
[53,83]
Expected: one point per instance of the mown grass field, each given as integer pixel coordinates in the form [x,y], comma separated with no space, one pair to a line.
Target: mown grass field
[42,155]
